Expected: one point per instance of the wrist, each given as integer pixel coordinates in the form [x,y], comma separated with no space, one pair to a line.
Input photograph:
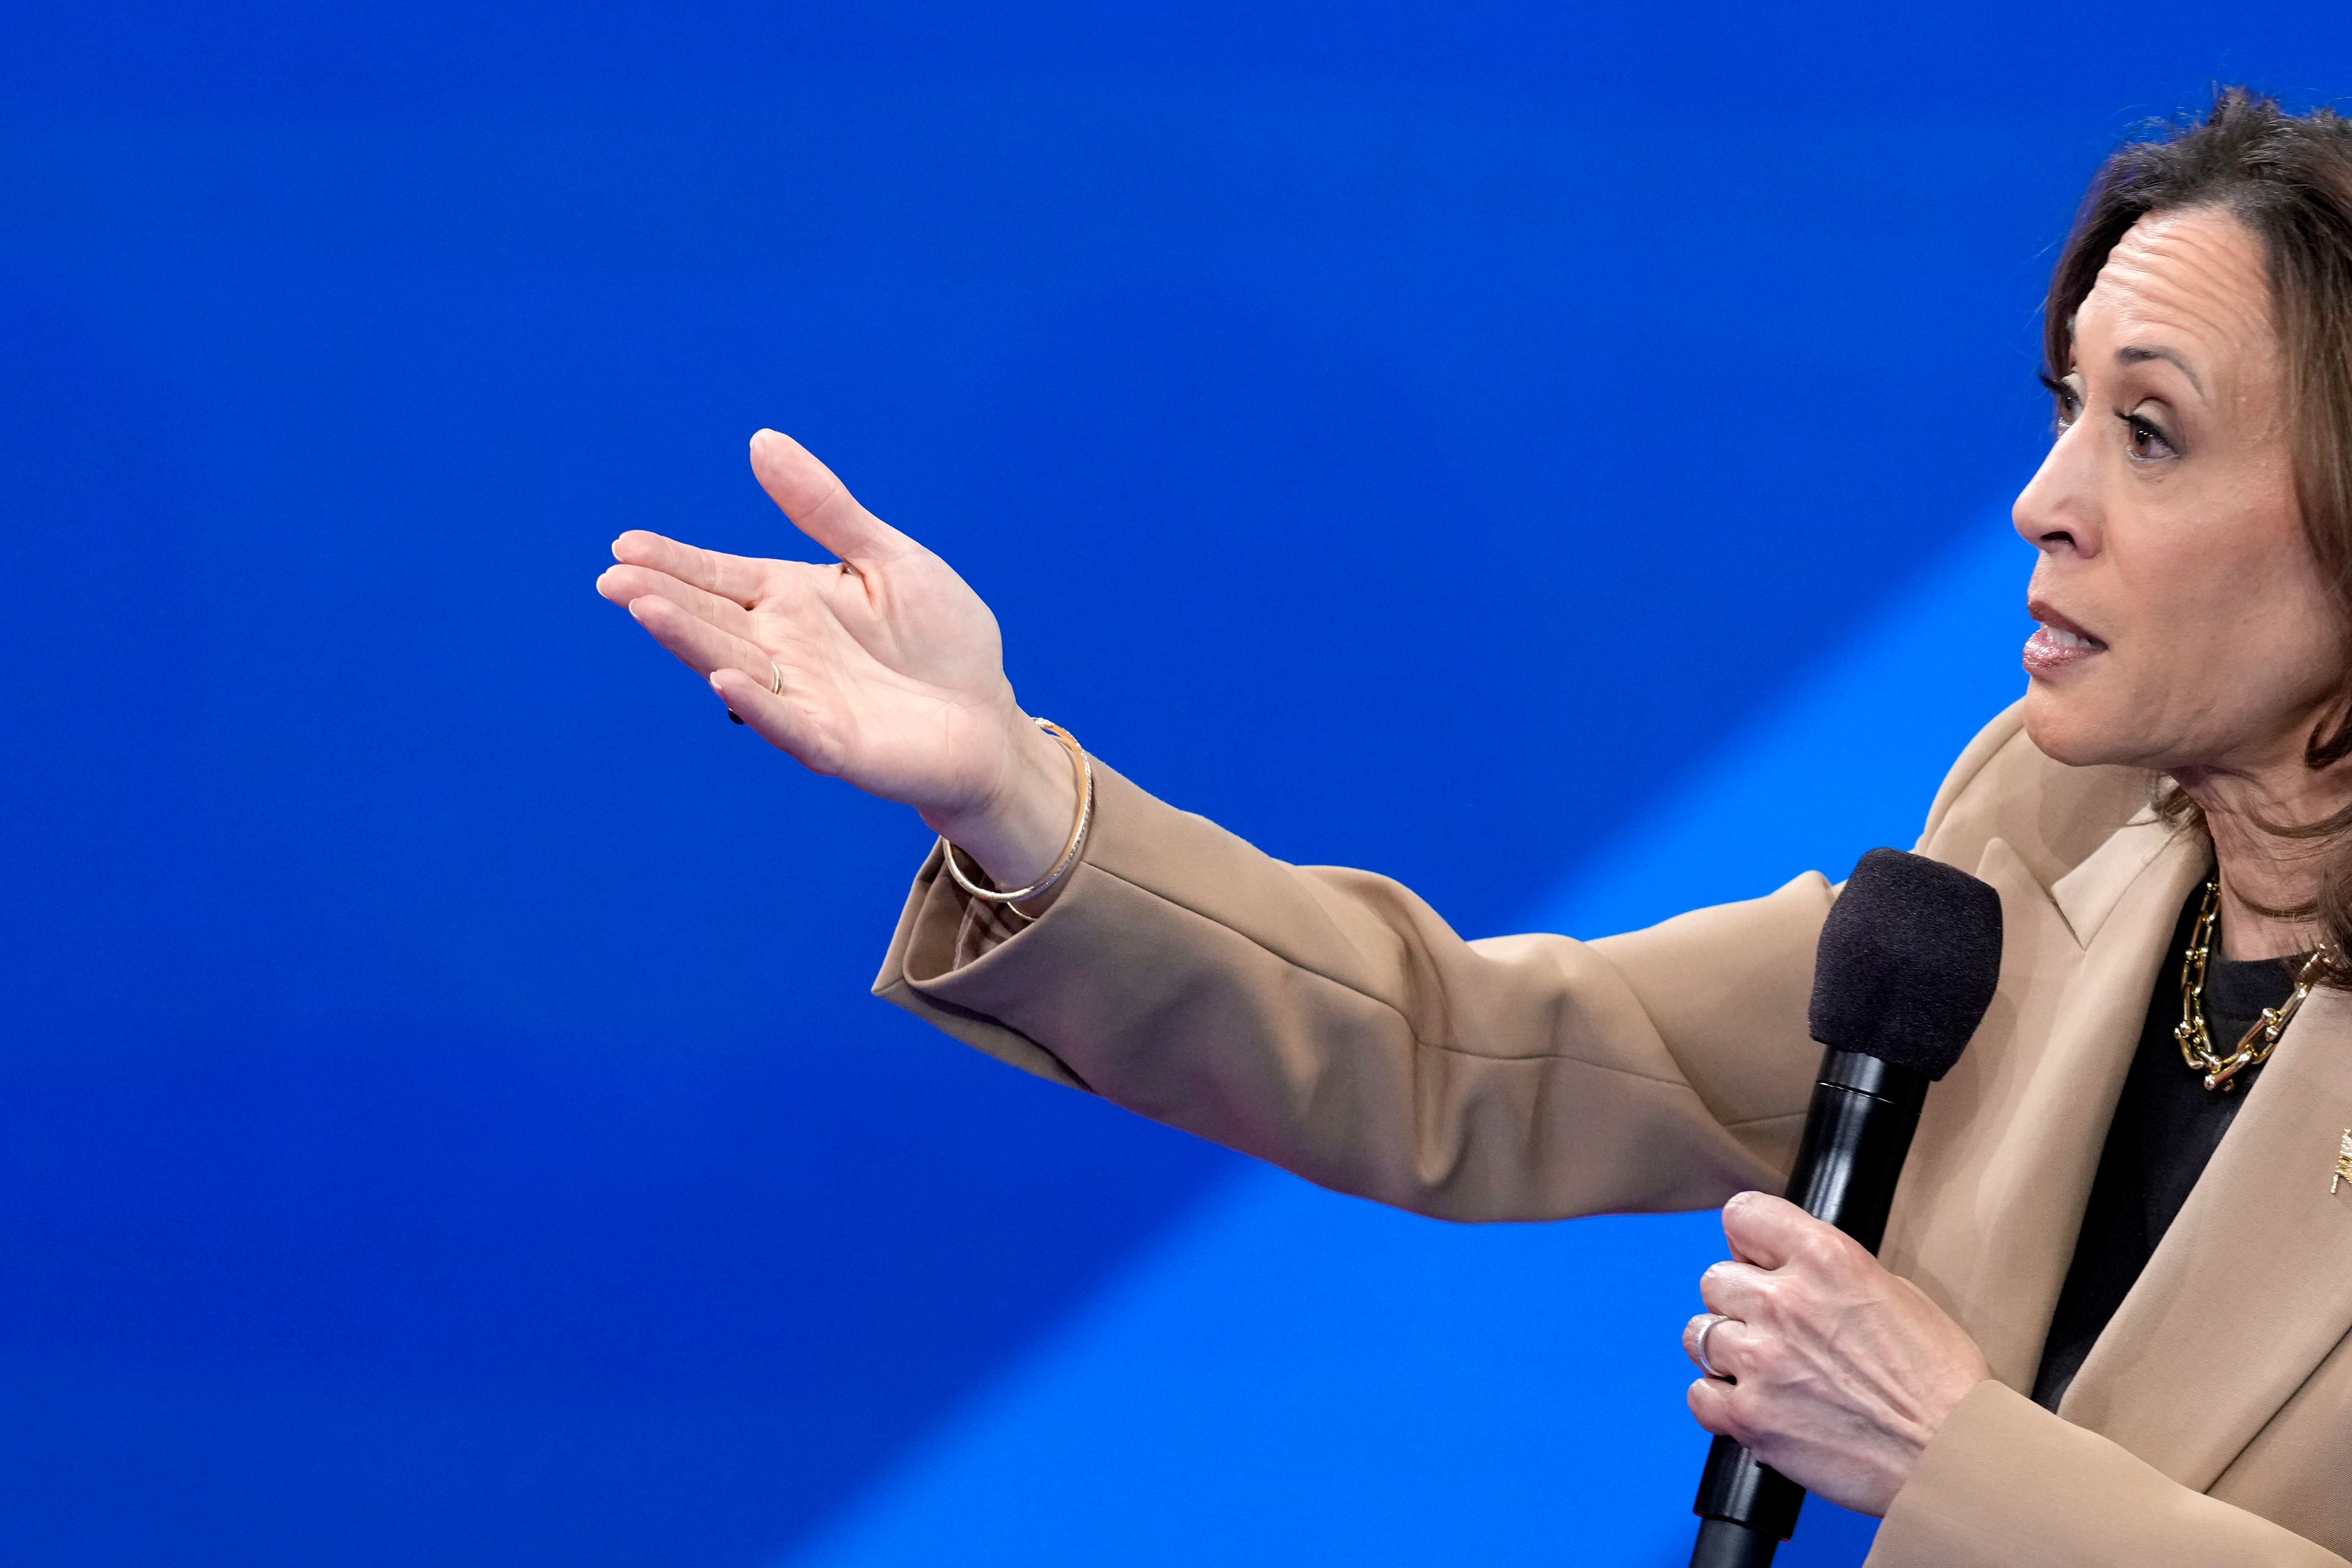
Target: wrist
[1935,1409]
[1017,831]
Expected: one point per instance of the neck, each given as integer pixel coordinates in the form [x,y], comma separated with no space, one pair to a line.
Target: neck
[2261,870]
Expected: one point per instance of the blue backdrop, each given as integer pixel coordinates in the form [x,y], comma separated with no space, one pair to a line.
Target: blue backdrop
[441,1115]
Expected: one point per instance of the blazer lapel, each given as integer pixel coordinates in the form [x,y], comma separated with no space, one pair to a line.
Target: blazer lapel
[2017,1126]
[2251,1287]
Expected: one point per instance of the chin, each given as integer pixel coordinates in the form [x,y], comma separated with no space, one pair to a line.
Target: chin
[2065,729]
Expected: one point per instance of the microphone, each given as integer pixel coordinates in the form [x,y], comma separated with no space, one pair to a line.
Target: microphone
[1909,960]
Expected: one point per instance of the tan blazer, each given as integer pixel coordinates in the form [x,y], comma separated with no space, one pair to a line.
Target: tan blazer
[1327,1021]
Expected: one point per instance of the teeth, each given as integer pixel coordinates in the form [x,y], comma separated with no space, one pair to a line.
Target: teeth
[2065,639]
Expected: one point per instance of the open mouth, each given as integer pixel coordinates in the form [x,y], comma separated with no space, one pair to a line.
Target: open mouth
[2057,643]
[2064,638]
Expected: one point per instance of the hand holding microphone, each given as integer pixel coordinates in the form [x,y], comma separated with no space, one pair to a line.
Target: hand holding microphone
[1834,1373]
[1841,1371]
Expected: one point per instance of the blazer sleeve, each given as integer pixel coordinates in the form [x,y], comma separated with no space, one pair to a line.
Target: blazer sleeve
[1327,1021]
[2005,1481]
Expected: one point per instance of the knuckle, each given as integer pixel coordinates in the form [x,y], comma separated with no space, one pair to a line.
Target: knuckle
[1799,1308]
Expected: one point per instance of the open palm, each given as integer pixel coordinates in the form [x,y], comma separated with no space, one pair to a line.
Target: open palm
[884,667]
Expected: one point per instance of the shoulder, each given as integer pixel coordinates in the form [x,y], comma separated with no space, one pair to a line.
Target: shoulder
[2003,786]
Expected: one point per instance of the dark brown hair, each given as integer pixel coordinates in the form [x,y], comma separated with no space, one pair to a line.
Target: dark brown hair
[2288,178]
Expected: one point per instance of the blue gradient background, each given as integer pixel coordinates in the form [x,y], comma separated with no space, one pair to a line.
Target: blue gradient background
[441,1116]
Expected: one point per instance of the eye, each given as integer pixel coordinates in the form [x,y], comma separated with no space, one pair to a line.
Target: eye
[2067,403]
[2145,443]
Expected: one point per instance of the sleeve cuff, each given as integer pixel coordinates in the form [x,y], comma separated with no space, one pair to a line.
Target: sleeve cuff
[2006,1482]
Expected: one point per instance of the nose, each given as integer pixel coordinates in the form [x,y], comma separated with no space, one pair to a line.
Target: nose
[2059,507]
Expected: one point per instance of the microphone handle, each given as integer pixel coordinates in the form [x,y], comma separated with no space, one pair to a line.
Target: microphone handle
[1857,1133]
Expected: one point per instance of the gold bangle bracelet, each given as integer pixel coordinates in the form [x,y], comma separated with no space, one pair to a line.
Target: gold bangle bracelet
[1084,769]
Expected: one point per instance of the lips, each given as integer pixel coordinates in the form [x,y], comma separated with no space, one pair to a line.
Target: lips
[2057,644]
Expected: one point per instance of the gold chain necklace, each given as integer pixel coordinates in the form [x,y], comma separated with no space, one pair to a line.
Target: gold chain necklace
[2255,1049]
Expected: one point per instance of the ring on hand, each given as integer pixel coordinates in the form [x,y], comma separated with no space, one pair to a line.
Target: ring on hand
[776,685]
[1698,1352]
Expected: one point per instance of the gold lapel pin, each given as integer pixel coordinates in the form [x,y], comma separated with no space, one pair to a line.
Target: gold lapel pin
[2343,1164]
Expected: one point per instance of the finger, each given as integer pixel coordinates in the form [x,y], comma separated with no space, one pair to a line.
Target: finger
[1766,1230]
[626,584]
[700,645]
[1727,1345]
[737,578]
[1735,1290]
[783,720]
[1710,1404]
[819,504]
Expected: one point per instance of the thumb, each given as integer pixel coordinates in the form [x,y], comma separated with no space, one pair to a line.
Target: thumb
[1765,1230]
[819,504]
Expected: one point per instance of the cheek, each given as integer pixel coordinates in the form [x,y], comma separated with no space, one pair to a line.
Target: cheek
[2266,623]
[2298,657]
[2234,636]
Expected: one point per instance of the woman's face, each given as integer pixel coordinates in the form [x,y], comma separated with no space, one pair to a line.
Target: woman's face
[2185,627]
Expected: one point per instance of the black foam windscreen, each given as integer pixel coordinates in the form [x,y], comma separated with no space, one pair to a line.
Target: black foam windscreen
[1909,960]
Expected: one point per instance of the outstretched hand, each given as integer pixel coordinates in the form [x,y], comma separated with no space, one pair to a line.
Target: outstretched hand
[882,667]
[1839,1373]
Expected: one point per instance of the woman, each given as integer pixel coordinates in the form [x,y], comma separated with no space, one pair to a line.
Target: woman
[2100,1331]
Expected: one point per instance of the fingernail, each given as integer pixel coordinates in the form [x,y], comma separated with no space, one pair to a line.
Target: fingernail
[763,430]
[734,716]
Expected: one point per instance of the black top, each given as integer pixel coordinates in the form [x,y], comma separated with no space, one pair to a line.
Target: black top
[2167,1125]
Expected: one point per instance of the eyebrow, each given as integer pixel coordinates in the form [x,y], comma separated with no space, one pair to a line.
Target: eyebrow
[2137,353]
